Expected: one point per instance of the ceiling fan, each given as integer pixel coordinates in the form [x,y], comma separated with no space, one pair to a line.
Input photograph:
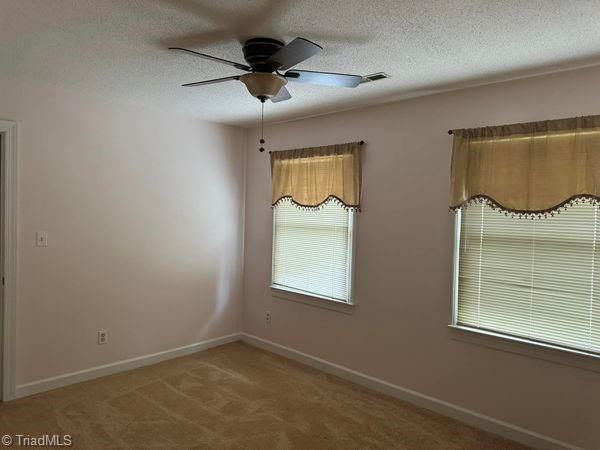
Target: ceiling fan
[265,59]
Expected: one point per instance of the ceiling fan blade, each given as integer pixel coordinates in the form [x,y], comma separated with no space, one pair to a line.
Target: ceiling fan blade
[216,80]
[324,78]
[295,52]
[282,95]
[213,58]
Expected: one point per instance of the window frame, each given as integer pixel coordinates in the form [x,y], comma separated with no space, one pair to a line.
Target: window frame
[313,299]
[506,342]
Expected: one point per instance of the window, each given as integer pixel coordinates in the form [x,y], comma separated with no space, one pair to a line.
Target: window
[534,279]
[312,250]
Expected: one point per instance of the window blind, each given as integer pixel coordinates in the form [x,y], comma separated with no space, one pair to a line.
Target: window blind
[535,279]
[312,250]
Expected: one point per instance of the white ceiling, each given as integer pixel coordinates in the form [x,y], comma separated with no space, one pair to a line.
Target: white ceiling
[117,48]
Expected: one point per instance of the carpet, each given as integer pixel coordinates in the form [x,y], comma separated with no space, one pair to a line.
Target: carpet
[235,397]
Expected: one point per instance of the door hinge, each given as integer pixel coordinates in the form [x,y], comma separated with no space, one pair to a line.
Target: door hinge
[2,281]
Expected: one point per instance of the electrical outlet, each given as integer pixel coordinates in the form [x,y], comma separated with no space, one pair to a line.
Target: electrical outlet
[268,317]
[102,337]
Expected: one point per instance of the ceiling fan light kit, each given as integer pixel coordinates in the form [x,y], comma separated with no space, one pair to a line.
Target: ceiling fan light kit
[262,85]
[265,57]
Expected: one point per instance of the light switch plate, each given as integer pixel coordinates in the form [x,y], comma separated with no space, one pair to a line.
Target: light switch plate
[41,238]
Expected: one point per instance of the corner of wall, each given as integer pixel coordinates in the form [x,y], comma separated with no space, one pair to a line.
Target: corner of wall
[244,143]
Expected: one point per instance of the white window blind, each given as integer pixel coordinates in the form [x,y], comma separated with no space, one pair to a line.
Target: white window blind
[535,279]
[312,250]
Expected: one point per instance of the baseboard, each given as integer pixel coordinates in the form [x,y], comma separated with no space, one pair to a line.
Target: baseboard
[467,416]
[48,384]
[487,423]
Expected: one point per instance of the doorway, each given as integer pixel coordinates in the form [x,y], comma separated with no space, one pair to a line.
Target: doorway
[8,246]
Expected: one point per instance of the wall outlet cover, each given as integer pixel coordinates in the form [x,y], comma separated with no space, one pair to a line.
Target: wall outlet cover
[102,337]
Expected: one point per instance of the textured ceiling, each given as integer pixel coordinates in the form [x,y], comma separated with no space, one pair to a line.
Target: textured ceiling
[117,48]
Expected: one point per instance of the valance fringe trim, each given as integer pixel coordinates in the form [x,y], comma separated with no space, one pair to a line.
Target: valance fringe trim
[330,199]
[540,214]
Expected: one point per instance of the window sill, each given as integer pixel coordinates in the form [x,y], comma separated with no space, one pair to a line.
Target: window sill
[311,300]
[539,350]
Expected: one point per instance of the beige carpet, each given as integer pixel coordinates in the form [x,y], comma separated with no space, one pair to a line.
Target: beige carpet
[237,397]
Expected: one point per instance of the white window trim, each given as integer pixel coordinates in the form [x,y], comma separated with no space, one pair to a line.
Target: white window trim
[307,298]
[508,343]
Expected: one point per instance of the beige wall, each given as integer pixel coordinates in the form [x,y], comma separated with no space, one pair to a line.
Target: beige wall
[144,214]
[398,332]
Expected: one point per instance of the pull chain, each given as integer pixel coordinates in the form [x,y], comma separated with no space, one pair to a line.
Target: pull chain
[262,126]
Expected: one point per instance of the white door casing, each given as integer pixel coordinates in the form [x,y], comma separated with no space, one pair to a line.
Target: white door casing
[8,177]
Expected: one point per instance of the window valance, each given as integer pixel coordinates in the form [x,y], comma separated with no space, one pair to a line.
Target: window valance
[532,168]
[311,176]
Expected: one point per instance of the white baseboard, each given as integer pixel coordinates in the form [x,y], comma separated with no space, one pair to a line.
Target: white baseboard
[507,430]
[48,384]
[473,418]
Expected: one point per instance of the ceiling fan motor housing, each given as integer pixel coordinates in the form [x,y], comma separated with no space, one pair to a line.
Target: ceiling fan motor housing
[257,52]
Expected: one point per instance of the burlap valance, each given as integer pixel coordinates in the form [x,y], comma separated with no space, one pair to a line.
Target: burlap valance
[527,168]
[311,176]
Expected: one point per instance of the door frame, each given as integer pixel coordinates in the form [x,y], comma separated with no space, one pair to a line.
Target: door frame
[8,177]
